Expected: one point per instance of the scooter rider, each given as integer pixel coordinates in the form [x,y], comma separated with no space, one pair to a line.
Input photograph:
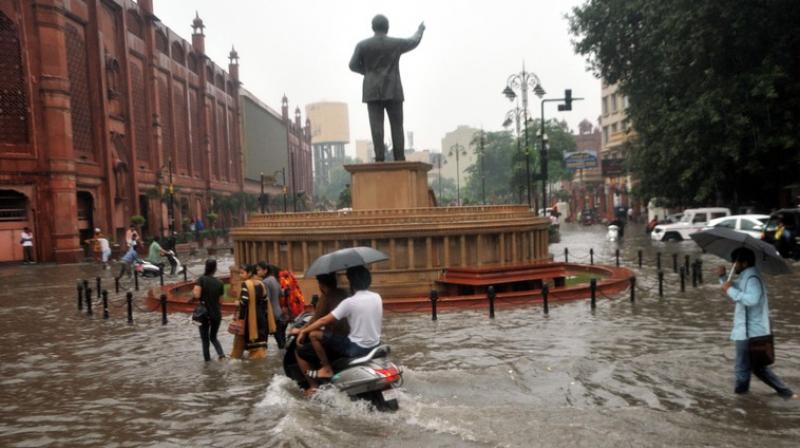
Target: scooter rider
[364,313]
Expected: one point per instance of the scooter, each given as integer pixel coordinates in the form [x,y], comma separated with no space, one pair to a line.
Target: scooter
[147,269]
[371,377]
[613,233]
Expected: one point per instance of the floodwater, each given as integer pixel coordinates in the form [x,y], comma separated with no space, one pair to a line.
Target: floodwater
[657,372]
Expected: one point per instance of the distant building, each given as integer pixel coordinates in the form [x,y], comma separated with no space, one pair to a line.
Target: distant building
[266,137]
[365,151]
[586,186]
[617,131]
[462,136]
[330,132]
[300,170]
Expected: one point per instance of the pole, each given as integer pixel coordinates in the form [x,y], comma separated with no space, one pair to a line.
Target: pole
[105,304]
[185,274]
[633,289]
[434,296]
[135,279]
[527,148]
[519,143]
[544,161]
[661,284]
[171,202]
[658,261]
[80,296]
[617,255]
[129,300]
[89,302]
[97,281]
[640,258]
[483,173]
[261,198]
[566,255]
[686,263]
[294,188]
[283,176]
[116,285]
[593,289]
[440,176]
[163,309]
[161,275]
[675,263]
[683,279]
[545,293]
[591,256]
[491,295]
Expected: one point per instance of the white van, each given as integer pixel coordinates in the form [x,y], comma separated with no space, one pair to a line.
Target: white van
[693,220]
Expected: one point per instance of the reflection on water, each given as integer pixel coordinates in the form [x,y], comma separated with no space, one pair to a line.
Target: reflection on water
[653,373]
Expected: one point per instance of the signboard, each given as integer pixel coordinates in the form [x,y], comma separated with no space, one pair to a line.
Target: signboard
[613,167]
[581,161]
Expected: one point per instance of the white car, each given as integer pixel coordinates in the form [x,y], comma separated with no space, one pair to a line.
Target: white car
[692,221]
[749,224]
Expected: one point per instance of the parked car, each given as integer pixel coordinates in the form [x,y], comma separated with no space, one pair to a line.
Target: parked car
[751,225]
[673,218]
[791,220]
[693,220]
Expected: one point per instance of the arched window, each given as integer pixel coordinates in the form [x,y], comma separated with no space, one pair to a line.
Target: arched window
[178,53]
[161,42]
[135,25]
[13,100]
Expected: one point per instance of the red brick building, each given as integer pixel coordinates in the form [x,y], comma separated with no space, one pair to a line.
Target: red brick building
[98,101]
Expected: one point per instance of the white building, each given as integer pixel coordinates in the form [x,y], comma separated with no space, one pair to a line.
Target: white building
[462,140]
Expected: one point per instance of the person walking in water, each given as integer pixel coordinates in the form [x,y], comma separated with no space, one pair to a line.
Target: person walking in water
[26,239]
[256,314]
[750,319]
[209,291]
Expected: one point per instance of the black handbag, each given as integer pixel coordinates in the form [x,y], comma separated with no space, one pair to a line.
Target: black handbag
[200,314]
[760,348]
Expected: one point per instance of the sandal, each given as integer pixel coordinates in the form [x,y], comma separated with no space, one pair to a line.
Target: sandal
[314,374]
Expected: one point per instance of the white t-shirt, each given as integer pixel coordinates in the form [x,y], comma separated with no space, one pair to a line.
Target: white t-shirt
[27,239]
[104,247]
[364,313]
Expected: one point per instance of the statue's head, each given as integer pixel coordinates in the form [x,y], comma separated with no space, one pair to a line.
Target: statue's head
[380,24]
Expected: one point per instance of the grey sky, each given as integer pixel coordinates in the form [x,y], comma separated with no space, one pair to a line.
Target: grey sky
[454,77]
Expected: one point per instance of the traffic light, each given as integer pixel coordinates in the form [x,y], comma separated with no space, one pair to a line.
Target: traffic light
[567,101]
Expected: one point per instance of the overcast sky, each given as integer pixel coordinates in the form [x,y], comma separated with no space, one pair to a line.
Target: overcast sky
[302,48]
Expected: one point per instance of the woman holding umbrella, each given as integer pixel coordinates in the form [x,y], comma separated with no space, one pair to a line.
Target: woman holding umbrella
[750,320]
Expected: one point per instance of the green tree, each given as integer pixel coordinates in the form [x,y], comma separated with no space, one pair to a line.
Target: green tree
[330,193]
[713,89]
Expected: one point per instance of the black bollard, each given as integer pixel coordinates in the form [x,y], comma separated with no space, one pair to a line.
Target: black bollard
[80,296]
[545,293]
[658,261]
[683,279]
[97,280]
[116,285]
[700,271]
[686,263]
[633,289]
[89,302]
[129,299]
[591,256]
[434,296]
[491,295]
[593,289]
[185,274]
[566,255]
[675,263]
[640,258]
[105,304]
[135,279]
[163,309]
[660,283]
[314,301]
[161,275]
[617,254]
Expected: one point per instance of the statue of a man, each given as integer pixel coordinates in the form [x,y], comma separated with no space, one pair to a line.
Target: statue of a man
[378,59]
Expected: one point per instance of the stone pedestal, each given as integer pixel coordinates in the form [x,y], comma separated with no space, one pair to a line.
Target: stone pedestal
[389,185]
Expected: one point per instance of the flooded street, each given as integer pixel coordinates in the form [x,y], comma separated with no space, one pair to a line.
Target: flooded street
[658,372]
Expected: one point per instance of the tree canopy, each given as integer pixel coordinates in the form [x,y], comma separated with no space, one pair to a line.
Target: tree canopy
[713,89]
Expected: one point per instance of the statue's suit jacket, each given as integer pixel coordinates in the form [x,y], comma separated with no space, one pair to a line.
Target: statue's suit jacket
[378,59]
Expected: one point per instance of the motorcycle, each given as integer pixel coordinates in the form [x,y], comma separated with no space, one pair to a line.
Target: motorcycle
[371,377]
[147,269]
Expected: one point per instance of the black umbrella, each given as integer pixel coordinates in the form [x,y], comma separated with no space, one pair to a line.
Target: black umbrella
[343,259]
[722,242]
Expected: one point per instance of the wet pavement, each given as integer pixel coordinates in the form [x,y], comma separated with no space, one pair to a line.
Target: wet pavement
[657,372]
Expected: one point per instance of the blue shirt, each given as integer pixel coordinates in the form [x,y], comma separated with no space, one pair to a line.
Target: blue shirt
[130,256]
[749,291]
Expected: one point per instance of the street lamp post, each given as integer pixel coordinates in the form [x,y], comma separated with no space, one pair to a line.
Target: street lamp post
[514,115]
[458,150]
[439,163]
[567,106]
[261,198]
[521,82]
[483,172]
[171,211]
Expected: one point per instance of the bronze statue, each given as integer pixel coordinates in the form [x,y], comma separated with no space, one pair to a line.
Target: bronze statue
[378,59]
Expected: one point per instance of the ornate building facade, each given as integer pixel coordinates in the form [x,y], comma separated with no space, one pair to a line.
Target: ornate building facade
[103,112]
